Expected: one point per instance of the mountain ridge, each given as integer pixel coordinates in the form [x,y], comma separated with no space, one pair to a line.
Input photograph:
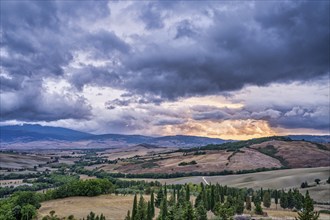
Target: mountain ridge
[27,133]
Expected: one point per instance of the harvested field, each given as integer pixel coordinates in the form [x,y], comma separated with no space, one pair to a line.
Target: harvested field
[12,183]
[249,159]
[298,153]
[19,161]
[112,206]
[277,179]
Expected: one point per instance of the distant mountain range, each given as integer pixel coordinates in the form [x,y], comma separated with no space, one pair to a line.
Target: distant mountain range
[28,135]
[311,138]
[36,133]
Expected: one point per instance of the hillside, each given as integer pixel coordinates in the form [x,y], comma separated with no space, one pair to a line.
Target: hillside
[269,153]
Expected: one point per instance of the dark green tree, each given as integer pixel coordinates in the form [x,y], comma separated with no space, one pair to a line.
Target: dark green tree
[159,198]
[142,209]
[152,203]
[223,211]
[266,199]
[201,212]
[284,200]
[212,197]
[91,216]
[149,211]
[298,199]
[163,209]
[17,212]
[24,198]
[239,205]
[28,212]
[248,203]
[276,197]
[290,199]
[135,208]
[308,210]
[189,213]
[258,210]
[187,192]
[304,185]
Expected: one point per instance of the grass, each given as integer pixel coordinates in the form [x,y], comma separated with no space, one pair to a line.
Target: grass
[271,151]
[114,207]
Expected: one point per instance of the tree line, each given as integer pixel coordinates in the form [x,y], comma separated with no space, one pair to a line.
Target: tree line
[175,202]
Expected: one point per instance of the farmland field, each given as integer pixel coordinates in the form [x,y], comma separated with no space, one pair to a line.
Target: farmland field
[278,179]
[113,207]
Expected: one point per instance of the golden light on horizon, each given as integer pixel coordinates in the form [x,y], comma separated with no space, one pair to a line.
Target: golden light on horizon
[229,129]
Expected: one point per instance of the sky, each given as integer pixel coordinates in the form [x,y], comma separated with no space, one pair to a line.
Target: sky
[223,69]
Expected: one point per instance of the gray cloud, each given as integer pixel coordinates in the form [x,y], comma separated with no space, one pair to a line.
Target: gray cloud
[236,51]
[38,42]
[34,103]
[162,122]
[186,49]
[185,29]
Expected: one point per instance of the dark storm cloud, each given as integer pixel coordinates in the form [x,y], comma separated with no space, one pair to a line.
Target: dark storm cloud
[89,74]
[185,29]
[313,117]
[243,47]
[151,16]
[38,40]
[104,42]
[33,103]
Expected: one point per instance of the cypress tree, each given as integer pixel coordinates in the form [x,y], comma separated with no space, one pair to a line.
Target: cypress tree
[152,203]
[142,209]
[149,211]
[284,200]
[308,210]
[266,199]
[163,209]
[212,199]
[276,197]
[199,200]
[189,213]
[290,199]
[181,196]
[165,191]
[239,205]
[201,212]
[160,196]
[222,196]
[261,194]
[134,210]
[298,199]
[187,193]
[248,203]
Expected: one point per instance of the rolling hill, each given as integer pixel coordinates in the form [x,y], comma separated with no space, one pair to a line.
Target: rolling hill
[37,136]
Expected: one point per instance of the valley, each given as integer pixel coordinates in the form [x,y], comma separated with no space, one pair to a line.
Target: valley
[277,163]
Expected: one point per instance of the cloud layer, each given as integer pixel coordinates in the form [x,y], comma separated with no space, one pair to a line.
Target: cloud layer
[162,55]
